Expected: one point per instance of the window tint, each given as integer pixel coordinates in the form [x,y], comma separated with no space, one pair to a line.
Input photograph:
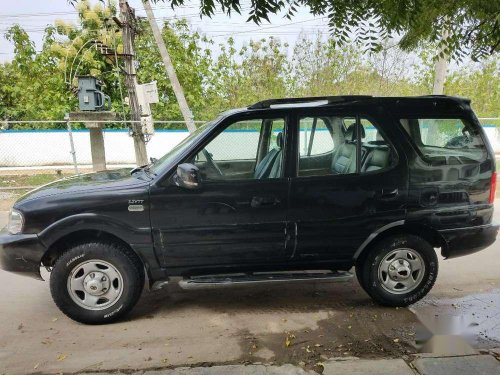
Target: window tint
[446,140]
[338,148]
[249,149]
[238,141]
[277,127]
[315,137]
[376,152]
[326,147]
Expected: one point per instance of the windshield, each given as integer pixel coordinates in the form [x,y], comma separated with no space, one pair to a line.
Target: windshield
[180,148]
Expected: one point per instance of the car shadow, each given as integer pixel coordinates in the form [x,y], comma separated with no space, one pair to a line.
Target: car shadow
[294,296]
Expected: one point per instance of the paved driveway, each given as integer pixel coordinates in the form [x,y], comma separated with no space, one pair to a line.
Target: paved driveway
[3,218]
[294,323]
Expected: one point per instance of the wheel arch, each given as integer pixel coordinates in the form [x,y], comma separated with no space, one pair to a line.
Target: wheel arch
[67,241]
[400,227]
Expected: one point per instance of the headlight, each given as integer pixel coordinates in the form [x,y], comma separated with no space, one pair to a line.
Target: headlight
[16,222]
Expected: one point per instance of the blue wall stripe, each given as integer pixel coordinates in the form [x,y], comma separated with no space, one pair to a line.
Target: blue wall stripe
[13,131]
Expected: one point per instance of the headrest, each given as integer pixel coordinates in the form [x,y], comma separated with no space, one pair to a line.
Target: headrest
[350,134]
[380,157]
[279,140]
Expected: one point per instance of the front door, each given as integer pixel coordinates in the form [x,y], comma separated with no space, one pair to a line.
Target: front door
[238,217]
[350,181]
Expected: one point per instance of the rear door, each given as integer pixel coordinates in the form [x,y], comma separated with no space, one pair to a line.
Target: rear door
[338,201]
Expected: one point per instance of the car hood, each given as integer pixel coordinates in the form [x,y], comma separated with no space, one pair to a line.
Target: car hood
[116,179]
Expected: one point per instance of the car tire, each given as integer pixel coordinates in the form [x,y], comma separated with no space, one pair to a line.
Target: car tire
[97,282]
[399,270]
[359,275]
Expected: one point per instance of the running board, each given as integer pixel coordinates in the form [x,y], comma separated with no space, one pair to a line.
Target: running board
[218,281]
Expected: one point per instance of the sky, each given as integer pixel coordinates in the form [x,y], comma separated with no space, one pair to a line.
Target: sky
[35,15]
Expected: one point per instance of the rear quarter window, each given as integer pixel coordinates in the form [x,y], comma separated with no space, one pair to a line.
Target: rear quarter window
[446,141]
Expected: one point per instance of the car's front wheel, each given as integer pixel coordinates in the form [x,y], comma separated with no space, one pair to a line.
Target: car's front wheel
[399,270]
[96,282]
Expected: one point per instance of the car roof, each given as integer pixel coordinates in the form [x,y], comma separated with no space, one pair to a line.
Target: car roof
[323,101]
[415,104]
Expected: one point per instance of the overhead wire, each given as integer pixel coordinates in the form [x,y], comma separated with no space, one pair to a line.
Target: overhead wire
[208,27]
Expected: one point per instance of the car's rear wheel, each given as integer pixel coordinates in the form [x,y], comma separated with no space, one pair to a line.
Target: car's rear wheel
[96,282]
[399,270]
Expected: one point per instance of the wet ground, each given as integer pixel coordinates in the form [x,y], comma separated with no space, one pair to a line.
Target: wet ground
[475,318]
[301,324]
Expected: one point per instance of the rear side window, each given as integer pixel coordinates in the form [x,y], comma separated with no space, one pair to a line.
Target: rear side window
[448,141]
[315,137]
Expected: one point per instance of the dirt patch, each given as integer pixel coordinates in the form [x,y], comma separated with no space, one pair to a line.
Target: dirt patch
[356,327]
[7,199]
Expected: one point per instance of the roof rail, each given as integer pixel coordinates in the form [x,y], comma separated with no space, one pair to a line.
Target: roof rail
[329,99]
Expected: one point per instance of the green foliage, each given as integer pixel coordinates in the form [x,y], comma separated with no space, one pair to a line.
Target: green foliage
[481,83]
[38,85]
[472,26]
[257,71]
[192,64]
[31,86]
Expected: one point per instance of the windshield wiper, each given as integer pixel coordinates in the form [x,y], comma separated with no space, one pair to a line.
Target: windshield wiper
[146,168]
[137,169]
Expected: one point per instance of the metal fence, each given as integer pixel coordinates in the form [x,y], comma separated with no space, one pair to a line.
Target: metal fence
[62,145]
[51,145]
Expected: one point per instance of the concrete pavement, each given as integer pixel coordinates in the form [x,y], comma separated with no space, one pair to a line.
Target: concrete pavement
[3,218]
[173,328]
[462,365]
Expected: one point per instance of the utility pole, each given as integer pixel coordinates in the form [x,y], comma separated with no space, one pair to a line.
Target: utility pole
[127,17]
[179,93]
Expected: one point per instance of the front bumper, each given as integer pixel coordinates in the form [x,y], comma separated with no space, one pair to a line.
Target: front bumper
[464,241]
[21,254]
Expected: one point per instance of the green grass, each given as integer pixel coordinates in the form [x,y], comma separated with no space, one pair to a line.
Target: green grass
[28,180]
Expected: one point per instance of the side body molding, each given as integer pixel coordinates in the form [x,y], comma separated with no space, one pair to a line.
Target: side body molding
[373,235]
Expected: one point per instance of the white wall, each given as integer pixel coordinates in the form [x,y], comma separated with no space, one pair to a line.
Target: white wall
[42,148]
[38,148]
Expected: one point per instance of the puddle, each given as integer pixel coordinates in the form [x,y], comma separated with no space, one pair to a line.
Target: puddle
[455,326]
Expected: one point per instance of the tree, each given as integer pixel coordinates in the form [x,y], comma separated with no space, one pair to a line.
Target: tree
[257,71]
[480,82]
[79,48]
[192,63]
[31,86]
[473,25]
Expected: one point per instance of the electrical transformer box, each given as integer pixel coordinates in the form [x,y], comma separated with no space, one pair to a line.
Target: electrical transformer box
[90,96]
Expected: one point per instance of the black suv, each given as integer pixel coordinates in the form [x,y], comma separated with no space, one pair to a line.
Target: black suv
[286,189]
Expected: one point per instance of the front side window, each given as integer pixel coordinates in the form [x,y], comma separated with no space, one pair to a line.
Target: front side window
[248,149]
[446,140]
[333,145]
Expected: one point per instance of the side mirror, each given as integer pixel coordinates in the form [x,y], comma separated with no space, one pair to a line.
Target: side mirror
[187,176]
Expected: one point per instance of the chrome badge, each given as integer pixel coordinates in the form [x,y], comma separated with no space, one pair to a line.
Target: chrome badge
[135,205]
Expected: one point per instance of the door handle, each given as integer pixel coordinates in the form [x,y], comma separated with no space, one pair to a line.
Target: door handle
[264,201]
[388,193]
